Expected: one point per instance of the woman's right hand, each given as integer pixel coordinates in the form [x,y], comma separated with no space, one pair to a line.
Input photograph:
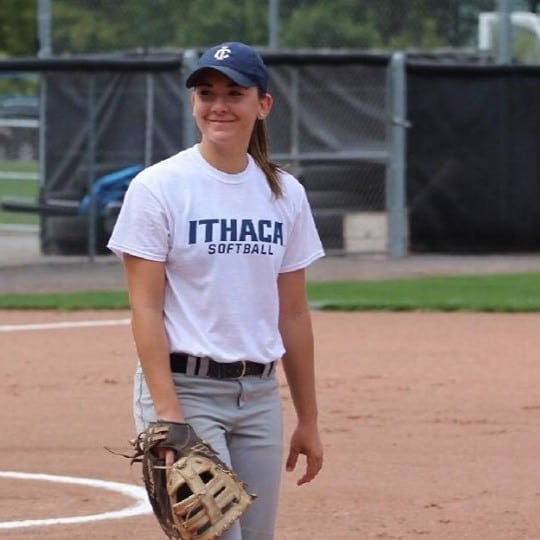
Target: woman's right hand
[167,455]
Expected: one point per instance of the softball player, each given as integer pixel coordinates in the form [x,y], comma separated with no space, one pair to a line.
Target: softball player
[215,241]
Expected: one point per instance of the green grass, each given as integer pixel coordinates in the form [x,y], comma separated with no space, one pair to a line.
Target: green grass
[66,301]
[19,166]
[493,293]
[16,188]
[496,293]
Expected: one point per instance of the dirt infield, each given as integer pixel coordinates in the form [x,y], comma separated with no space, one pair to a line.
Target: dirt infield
[431,425]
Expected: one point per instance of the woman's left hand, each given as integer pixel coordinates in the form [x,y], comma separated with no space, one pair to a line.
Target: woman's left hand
[305,440]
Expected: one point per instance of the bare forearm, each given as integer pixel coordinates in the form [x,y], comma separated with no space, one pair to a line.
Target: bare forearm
[146,285]
[298,364]
[153,350]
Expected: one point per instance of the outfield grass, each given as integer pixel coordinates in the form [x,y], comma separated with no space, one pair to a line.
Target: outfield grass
[17,188]
[66,301]
[497,293]
[19,166]
[493,293]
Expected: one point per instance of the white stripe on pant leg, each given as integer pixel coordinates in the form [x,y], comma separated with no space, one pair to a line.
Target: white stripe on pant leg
[143,408]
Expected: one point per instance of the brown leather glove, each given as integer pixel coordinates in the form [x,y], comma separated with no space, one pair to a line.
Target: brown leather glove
[199,496]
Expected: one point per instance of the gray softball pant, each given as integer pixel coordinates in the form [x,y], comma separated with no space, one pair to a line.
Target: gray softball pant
[242,420]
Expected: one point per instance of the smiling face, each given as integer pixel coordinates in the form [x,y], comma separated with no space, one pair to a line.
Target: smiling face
[225,113]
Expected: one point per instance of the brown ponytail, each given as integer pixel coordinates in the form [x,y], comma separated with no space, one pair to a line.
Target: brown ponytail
[259,148]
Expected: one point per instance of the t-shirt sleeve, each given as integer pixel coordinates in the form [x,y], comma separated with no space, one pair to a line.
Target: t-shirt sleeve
[142,227]
[303,244]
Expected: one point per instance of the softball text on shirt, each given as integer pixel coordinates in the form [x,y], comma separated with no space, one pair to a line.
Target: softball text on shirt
[230,236]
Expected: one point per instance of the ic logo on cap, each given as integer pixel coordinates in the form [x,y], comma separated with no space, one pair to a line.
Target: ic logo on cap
[222,53]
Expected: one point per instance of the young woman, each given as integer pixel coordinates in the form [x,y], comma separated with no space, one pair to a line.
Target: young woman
[215,241]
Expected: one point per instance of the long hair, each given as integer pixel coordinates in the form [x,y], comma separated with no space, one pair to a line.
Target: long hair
[259,148]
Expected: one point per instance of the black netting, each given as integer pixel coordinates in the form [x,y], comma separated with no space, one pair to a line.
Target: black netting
[473,177]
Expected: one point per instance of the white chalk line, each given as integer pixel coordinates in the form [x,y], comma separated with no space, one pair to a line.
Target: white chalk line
[141,506]
[62,325]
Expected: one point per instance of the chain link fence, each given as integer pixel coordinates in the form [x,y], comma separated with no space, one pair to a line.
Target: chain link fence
[330,124]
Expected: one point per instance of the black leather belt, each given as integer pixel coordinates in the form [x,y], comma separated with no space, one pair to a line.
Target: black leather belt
[206,367]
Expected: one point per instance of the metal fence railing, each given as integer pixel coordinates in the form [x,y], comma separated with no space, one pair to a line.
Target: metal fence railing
[331,126]
[341,130]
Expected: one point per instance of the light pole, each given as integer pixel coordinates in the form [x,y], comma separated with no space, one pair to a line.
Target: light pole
[273,24]
[504,45]
[44,28]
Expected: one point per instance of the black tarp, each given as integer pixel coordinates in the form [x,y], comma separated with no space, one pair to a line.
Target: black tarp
[473,165]
[473,158]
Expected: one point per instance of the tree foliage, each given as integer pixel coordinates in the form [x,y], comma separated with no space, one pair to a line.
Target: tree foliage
[18,27]
[88,26]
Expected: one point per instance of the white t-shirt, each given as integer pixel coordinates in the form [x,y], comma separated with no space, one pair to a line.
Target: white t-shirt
[224,238]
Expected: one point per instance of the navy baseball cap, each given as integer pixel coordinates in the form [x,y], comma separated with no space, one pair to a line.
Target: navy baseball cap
[238,61]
